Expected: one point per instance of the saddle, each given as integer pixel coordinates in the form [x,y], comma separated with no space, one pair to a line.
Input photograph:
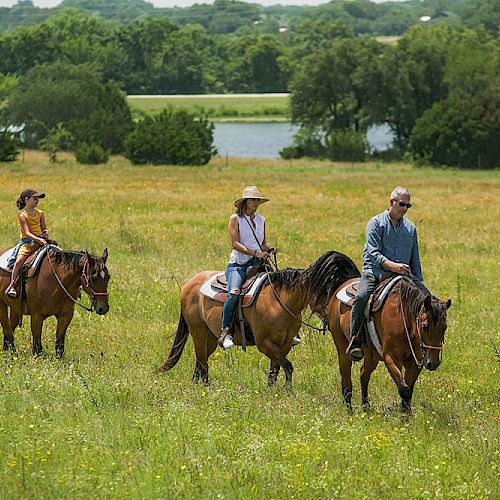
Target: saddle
[31,264]
[215,288]
[348,292]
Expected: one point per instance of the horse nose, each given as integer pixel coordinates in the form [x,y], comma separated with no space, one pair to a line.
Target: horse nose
[431,365]
[101,310]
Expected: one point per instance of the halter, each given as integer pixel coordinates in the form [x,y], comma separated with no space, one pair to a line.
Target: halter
[420,341]
[84,274]
[93,294]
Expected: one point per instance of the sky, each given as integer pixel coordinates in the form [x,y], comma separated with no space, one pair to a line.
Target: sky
[181,3]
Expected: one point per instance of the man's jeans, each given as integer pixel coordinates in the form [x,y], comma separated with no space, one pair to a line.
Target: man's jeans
[366,286]
[235,277]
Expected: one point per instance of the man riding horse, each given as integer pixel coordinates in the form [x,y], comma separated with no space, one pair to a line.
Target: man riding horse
[391,246]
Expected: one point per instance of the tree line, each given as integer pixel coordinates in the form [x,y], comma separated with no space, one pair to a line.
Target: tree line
[231,16]
[437,87]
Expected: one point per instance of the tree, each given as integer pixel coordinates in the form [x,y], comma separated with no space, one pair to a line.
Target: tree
[91,111]
[9,145]
[57,139]
[406,80]
[329,91]
[172,137]
[460,131]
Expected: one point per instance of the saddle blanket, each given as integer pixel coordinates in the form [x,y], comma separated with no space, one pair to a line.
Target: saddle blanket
[33,266]
[212,291]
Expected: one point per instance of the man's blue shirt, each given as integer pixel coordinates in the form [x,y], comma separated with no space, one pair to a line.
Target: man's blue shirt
[384,242]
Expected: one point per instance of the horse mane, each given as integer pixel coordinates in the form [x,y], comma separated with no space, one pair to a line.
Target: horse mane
[323,277]
[71,258]
[288,278]
[412,298]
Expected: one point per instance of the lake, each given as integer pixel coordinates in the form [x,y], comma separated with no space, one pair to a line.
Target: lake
[265,140]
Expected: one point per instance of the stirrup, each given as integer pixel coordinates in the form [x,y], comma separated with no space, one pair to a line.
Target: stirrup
[226,339]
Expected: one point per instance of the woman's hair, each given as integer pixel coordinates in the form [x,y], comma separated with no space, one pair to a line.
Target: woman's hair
[21,201]
[241,210]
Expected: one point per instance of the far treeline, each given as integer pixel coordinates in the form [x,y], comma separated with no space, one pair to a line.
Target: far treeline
[64,80]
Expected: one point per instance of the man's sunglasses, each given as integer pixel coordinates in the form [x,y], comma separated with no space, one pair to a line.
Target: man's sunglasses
[404,205]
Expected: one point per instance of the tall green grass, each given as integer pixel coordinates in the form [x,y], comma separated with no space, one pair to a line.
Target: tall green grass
[102,423]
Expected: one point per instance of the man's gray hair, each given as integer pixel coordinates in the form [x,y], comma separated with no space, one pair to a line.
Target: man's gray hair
[400,191]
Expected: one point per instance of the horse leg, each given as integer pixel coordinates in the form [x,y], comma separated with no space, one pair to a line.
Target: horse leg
[8,332]
[204,345]
[273,373]
[62,326]
[369,365]
[394,367]
[273,352]
[345,367]
[411,374]
[36,332]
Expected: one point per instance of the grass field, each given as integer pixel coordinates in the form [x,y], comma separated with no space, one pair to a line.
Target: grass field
[101,423]
[230,107]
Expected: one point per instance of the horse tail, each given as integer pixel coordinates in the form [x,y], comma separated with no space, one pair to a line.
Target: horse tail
[178,346]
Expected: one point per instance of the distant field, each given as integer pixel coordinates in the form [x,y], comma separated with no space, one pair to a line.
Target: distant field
[269,107]
[103,424]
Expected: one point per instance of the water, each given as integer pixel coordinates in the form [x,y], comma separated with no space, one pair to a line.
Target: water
[265,140]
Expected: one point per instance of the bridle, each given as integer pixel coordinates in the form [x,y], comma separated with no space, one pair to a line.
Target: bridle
[423,346]
[93,294]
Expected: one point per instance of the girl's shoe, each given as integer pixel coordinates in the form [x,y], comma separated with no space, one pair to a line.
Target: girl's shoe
[11,292]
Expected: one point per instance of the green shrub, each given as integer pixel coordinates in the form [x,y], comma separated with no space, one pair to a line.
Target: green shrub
[172,137]
[345,145]
[91,154]
[306,142]
[461,131]
[9,145]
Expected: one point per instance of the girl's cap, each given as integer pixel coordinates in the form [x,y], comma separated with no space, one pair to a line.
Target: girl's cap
[31,192]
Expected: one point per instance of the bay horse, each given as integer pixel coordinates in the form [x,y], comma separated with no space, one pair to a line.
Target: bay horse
[274,318]
[53,291]
[411,326]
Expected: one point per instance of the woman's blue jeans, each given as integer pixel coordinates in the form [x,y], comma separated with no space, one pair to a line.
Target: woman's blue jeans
[235,276]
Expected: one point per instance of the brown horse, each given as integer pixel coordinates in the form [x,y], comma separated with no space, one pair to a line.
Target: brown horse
[411,328]
[274,318]
[53,291]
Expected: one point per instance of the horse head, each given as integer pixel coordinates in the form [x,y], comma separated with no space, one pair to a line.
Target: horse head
[432,326]
[94,281]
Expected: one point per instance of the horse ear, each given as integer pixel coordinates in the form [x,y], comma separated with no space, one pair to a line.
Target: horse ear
[105,255]
[448,303]
[427,302]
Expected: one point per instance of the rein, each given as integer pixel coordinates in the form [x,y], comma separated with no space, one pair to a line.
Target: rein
[84,274]
[274,263]
[421,343]
[278,298]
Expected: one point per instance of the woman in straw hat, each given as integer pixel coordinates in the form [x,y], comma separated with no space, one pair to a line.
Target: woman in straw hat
[247,231]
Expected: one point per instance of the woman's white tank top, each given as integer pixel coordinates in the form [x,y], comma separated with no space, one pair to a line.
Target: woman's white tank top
[247,239]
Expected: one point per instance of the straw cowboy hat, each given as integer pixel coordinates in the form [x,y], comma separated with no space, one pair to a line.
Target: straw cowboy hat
[250,192]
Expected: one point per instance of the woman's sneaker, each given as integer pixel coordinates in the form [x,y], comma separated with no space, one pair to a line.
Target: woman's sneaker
[226,339]
[11,292]
[296,340]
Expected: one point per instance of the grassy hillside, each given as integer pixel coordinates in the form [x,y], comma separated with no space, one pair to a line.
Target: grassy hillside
[102,423]
[220,107]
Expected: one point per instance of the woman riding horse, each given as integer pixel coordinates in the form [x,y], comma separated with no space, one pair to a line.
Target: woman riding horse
[274,318]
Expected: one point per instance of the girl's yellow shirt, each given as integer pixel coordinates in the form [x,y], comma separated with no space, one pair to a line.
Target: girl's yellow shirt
[34,223]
